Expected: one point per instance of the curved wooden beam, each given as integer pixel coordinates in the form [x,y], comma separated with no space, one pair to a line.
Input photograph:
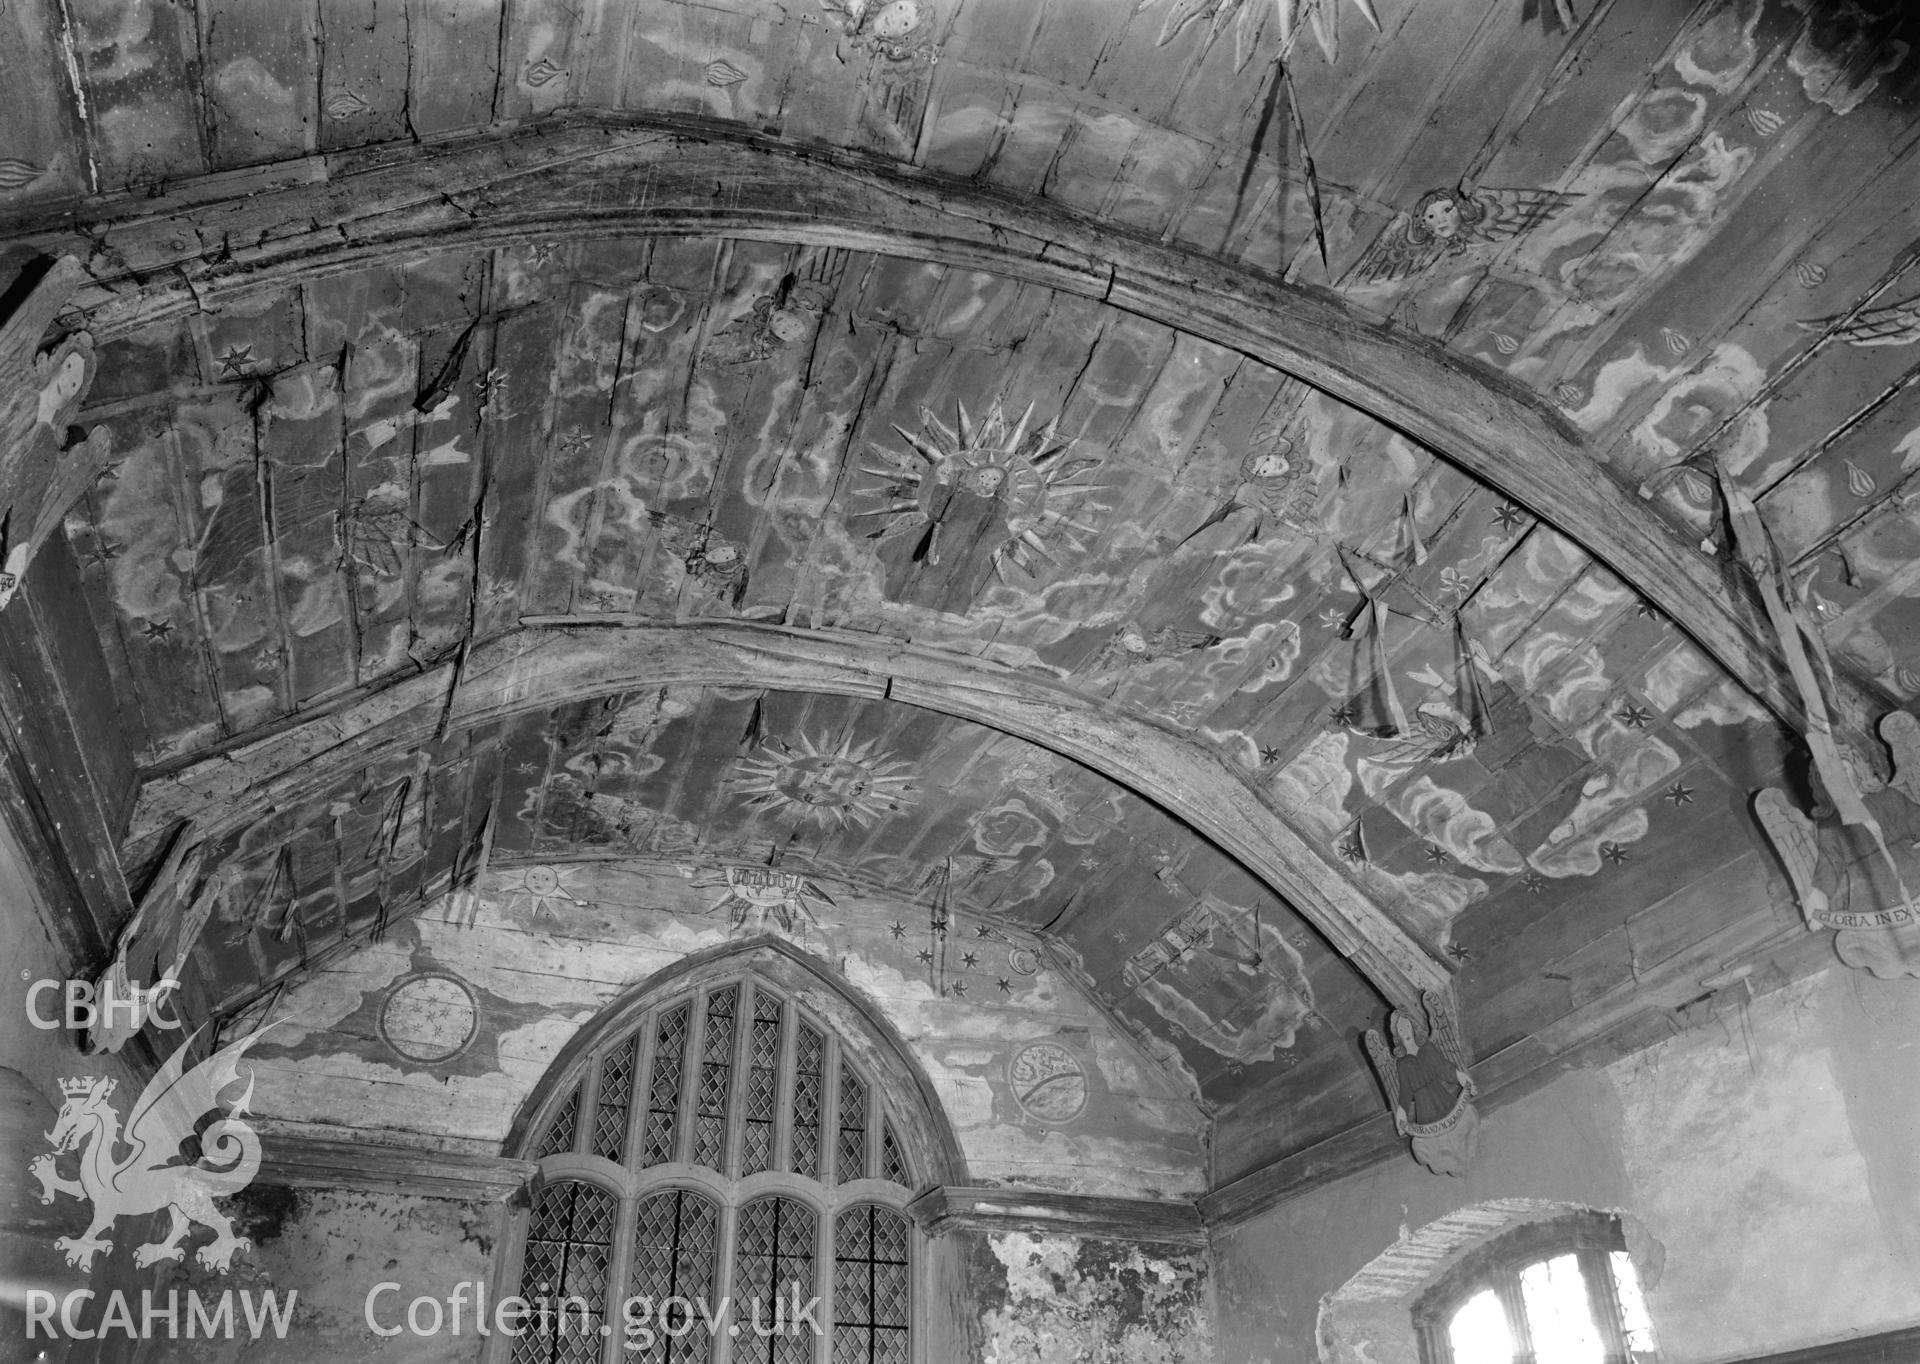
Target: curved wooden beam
[545,665]
[150,258]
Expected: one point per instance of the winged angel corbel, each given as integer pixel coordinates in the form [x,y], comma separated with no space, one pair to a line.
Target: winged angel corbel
[1448,222]
[146,1179]
[1425,1075]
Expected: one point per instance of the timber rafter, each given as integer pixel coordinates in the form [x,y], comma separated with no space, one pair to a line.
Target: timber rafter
[544,665]
[225,236]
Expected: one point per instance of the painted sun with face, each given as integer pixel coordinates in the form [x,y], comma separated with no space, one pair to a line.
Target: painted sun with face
[845,785]
[1039,497]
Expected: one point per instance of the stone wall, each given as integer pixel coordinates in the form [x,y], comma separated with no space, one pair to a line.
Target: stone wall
[1762,1160]
[1052,1299]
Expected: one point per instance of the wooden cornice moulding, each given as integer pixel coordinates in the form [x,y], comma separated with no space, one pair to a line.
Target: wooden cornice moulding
[549,663]
[945,1208]
[303,1162]
[222,237]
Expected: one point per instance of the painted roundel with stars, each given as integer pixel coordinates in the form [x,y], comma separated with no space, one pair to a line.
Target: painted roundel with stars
[429,1018]
[1048,1081]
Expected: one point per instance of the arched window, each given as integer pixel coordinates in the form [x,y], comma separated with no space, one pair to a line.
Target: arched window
[1558,1292]
[719,1141]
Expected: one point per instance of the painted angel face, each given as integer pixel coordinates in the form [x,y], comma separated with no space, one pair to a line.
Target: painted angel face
[786,325]
[68,378]
[1133,641]
[1403,1034]
[988,480]
[723,555]
[898,18]
[1441,217]
[1271,463]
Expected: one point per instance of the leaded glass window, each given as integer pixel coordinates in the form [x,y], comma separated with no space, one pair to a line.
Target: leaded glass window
[773,1275]
[560,1128]
[728,1080]
[716,1074]
[851,1158]
[564,1273]
[871,1297]
[676,1247]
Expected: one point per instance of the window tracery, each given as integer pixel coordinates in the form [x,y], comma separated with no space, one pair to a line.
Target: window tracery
[725,1146]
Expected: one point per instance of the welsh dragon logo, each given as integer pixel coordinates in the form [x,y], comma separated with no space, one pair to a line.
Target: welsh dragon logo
[146,1179]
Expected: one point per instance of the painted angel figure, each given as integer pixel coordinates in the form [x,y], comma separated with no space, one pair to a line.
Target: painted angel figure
[1859,886]
[1428,1086]
[1446,222]
[43,471]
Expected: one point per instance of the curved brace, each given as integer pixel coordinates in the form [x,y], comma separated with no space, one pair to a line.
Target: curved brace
[542,666]
[602,177]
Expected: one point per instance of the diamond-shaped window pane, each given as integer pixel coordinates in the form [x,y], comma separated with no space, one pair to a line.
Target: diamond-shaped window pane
[850,1153]
[560,1131]
[893,1161]
[616,1093]
[657,1145]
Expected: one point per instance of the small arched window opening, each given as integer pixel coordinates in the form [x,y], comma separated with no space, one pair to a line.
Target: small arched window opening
[726,1161]
[1558,1292]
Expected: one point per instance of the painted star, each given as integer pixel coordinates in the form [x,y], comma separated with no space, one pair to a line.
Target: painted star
[1648,610]
[1634,717]
[925,956]
[1341,715]
[898,929]
[105,552]
[235,361]
[1533,883]
[1269,756]
[1459,953]
[982,931]
[1006,986]
[1680,794]
[960,988]
[1509,516]
[969,958]
[1351,849]
[1615,854]
[1436,855]
[157,629]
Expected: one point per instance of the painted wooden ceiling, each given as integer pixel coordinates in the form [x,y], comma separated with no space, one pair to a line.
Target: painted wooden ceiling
[1684,226]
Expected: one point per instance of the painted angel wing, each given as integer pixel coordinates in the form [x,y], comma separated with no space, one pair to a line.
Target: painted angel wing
[1793,838]
[1442,1028]
[1500,214]
[1403,249]
[177,1098]
[1897,325]
[1382,1057]
[1901,730]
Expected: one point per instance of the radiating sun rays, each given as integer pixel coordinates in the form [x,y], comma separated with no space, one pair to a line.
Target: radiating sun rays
[1009,473]
[847,785]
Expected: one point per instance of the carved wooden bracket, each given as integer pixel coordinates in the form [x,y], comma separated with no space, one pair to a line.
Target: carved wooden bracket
[550,663]
[588,177]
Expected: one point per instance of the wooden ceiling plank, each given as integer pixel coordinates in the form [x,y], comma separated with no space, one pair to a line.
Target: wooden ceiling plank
[363,72]
[1478,420]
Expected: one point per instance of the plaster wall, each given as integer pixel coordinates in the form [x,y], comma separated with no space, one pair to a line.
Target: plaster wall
[33,1061]
[1763,1159]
